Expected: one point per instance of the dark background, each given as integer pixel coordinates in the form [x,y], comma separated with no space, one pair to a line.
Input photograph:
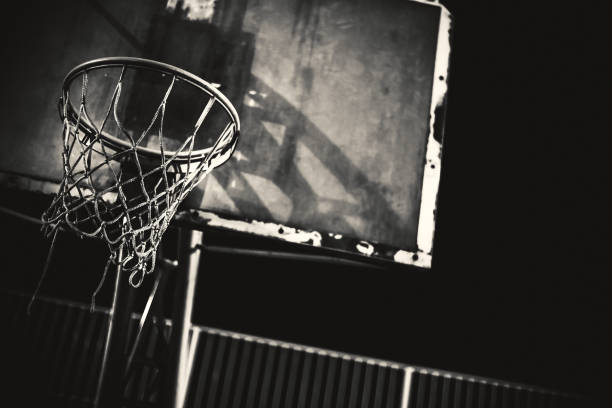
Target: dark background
[519,288]
[522,246]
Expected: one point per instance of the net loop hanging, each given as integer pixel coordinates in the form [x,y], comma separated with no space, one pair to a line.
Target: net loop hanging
[123,184]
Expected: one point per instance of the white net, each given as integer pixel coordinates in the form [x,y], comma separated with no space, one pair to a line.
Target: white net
[126,188]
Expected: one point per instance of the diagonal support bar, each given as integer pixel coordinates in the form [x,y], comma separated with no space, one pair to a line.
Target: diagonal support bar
[165,266]
[109,390]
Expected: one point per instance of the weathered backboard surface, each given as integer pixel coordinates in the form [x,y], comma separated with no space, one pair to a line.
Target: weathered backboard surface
[341,104]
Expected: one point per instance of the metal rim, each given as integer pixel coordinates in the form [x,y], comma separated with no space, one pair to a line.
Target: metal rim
[141,63]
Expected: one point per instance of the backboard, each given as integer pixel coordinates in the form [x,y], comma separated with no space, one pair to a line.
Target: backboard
[341,104]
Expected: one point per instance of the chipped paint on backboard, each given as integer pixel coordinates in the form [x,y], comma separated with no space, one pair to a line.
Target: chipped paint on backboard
[365,248]
[200,10]
[412,258]
[267,229]
[433,155]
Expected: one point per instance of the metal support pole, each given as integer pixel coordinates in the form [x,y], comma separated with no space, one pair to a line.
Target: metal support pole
[109,390]
[189,260]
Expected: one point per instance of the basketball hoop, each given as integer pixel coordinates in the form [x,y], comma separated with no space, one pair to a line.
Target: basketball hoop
[124,178]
